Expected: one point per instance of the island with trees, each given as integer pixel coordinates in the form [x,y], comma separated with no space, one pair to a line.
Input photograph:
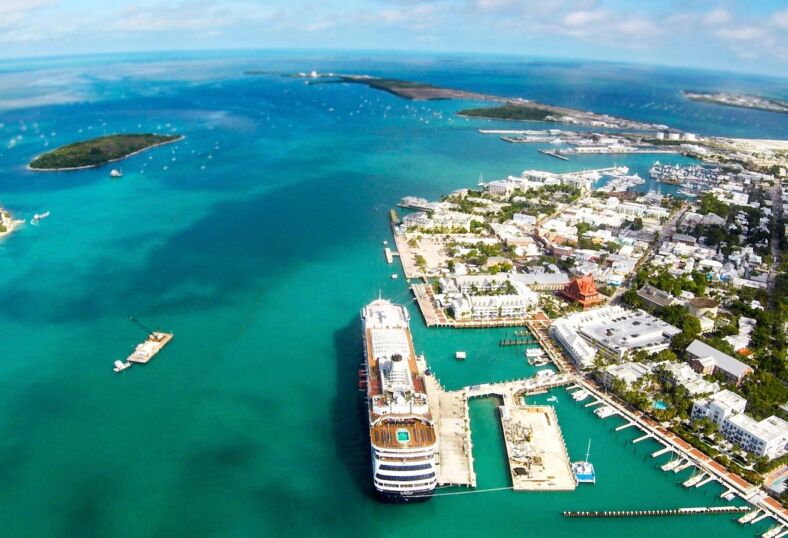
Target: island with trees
[511,108]
[98,151]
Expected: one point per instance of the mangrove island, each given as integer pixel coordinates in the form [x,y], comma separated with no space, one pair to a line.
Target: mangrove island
[98,151]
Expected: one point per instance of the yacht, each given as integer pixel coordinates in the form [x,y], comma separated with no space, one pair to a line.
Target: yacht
[115,173]
[584,470]
[38,217]
[403,439]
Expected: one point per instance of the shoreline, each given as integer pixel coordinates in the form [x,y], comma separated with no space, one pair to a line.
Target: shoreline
[73,168]
[11,228]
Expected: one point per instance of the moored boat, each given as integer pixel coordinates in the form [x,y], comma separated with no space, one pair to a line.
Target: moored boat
[584,470]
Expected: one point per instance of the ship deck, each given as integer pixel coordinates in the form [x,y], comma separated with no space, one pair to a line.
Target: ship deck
[385,435]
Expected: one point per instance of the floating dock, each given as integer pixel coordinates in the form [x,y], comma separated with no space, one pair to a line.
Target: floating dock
[150,347]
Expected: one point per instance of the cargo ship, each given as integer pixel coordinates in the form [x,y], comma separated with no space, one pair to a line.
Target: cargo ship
[402,435]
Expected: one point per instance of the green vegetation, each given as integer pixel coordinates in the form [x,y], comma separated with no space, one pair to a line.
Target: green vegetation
[509,111]
[98,151]
[708,203]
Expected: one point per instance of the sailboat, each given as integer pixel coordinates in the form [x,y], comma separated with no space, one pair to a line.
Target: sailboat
[584,470]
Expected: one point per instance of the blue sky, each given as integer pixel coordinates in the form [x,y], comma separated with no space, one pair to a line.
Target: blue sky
[729,35]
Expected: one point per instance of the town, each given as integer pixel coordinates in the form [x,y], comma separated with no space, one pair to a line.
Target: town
[673,305]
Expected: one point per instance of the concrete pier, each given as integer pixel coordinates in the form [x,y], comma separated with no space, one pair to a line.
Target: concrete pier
[624,426]
[658,453]
[450,415]
[642,438]
[537,455]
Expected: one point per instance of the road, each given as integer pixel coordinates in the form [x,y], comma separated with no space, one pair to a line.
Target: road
[777,213]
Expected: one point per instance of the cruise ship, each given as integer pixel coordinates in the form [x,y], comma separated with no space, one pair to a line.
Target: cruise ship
[402,434]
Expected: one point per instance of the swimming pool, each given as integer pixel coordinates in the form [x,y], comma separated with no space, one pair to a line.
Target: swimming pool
[659,404]
[403,436]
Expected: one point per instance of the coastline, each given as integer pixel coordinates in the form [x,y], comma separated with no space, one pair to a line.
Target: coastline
[11,228]
[73,168]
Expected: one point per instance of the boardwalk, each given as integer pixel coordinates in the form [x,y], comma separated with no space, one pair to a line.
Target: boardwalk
[690,454]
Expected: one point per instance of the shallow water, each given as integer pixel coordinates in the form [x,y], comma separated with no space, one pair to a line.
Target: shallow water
[248,423]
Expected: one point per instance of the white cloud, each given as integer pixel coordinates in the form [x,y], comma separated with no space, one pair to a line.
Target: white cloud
[197,15]
[579,18]
[716,17]
[780,19]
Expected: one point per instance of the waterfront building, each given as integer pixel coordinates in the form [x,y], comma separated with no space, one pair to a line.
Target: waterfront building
[582,290]
[707,360]
[489,307]
[614,331]
[768,437]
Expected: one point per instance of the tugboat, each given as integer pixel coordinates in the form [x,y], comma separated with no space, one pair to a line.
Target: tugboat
[584,470]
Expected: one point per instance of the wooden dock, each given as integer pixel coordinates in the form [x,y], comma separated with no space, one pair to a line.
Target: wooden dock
[148,349]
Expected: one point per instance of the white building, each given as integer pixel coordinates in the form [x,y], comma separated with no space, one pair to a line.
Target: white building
[628,373]
[614,331]
[486,307]
[769,437]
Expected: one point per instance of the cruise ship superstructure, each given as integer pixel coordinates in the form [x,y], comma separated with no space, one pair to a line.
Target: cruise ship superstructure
[401,431]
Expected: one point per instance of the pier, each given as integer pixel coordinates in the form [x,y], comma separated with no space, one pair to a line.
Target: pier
[450,415]
[553,154]
[660,512]
[389,254]
[506,342]
[535,448]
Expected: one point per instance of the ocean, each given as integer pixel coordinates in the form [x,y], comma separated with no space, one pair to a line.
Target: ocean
[257,240]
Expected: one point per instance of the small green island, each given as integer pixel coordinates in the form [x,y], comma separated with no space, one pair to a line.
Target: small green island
[509,111]
[98,151]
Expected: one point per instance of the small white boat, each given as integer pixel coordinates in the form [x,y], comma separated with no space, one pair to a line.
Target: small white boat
[552,398]
[394,276]
[460,356]
[534,352]
[39,216]
[580,395]
[115,173]
[120,366]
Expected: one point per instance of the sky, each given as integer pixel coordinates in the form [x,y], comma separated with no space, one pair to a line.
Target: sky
[743,36]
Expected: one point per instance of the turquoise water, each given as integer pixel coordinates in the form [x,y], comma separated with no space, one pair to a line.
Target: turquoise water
[659,404]
[248,423]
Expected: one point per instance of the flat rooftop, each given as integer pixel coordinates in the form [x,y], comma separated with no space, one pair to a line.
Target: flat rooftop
[535,448]
[628,330]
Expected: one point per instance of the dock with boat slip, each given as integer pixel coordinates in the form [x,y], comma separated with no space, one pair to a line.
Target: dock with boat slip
[455,454]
